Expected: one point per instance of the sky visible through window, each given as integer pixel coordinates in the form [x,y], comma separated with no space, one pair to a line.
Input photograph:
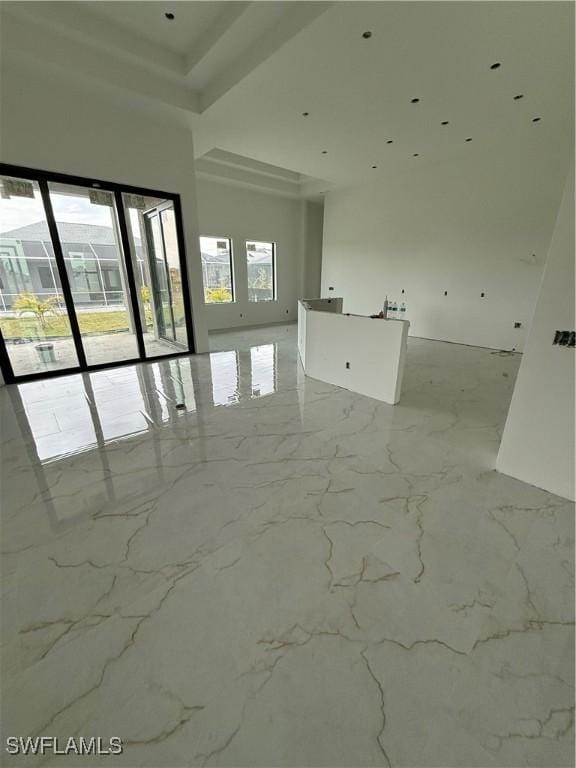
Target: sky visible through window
[21,211]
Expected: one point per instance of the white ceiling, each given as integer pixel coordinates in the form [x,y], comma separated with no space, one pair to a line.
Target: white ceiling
[359,92]
[188,62]
[147,19]
[245,72]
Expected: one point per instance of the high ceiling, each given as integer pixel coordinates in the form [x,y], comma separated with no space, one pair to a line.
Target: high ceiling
[359,92]
[246,73]
[188,61]
[148,19]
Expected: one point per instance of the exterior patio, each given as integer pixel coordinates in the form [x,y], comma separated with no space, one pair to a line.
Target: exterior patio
[26,358]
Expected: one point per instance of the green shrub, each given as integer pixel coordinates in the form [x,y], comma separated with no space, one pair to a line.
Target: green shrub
[218,295]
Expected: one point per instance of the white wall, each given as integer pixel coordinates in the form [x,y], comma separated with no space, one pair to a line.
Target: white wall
[314,225]
[244,214]
[464,227]
[53,121]
[538,441]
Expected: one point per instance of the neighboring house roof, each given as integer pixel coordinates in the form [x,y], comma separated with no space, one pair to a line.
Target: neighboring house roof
[222,258]
[258,258]
[69,233]
[99,235]
[214,258]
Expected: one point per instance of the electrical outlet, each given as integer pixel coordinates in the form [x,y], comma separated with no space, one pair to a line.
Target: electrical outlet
[348,366]
[517,325]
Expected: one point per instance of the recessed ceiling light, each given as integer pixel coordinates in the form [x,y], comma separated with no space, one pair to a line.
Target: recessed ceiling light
[374,167]
[414,101]
[389,141]
[497,65]
[415,154]
[324,151]
[469,139]
[518,96]
[305,114]
[367,35]
[444,122]
[536,119]
[169,16]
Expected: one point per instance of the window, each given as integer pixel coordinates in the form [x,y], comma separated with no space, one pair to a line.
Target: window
[216,253]
[29,312]
[45,276]
[85,276]
[91,274]
[111,276]
[260,258]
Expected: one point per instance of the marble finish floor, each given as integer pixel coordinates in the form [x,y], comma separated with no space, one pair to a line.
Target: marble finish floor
[281,572]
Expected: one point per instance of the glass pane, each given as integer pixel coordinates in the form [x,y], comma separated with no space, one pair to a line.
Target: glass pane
[86,218]
[161,287]
[33,316]
[260,267]
[156,259]
[174,275]
[216,253]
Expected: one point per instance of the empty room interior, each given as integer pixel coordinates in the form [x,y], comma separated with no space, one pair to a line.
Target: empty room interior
[287,338]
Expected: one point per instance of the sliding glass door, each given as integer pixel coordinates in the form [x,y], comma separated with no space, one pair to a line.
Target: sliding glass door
[96,268]
[34,319]
[154,234]
[159,277]
[92,274]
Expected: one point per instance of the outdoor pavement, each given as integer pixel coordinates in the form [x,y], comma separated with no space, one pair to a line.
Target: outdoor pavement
[100,349]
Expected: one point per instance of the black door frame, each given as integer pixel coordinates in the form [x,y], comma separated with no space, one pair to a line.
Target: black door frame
[151,245]
[160,210]
[42,178]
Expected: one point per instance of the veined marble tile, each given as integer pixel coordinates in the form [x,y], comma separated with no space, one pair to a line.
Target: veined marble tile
[281,572]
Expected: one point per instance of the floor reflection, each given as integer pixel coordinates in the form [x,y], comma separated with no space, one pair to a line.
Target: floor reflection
[239,374]
[76,413]
[225,377]
[68,415]
[90,436]
[263,367]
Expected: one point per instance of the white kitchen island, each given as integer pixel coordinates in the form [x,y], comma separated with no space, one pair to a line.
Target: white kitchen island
[362,354]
